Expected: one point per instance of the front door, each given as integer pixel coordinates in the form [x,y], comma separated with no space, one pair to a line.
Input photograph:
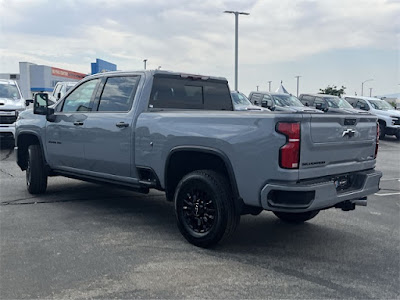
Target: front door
[64,136]
[109,133]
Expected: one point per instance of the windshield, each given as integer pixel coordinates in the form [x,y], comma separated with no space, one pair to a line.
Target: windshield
[286,100]
[380,105]
[240,99]
[338,103]
[9,91]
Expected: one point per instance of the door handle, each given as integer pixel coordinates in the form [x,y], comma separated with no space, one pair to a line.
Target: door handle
[78,123]
[122,124]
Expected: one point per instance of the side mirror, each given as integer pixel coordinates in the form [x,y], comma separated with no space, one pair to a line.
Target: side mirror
[364,107]
[58,95]
[268,103]
[256,102]
[41,106]
[28,101]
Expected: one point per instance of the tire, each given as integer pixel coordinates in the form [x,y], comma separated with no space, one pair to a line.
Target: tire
[296,217]
[204,208]
[36,175]
[382,131]
[398,135]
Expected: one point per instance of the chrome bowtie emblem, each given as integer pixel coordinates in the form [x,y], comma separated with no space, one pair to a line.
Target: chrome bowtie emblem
[349,132]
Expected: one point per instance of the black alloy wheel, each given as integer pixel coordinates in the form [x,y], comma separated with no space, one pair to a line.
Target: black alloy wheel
[204,208]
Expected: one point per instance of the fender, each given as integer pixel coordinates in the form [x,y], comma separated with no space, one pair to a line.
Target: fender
[18,154]
[232,179]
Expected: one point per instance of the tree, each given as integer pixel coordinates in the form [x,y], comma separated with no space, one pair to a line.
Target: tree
[333,90]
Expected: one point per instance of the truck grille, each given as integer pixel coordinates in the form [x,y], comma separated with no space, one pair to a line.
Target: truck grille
[7,119]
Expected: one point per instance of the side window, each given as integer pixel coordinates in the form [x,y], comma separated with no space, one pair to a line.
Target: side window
[266,97]
[118,93]
[79,99]
[307,100]
[352,101]
[361,104]
[57,90]
[255,99]
[319,101]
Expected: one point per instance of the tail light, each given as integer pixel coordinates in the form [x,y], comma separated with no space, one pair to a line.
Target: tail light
[289,154]
[377,140]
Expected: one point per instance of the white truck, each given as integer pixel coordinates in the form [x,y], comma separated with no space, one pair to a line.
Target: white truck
[60,89]
[388,116]
[11,104]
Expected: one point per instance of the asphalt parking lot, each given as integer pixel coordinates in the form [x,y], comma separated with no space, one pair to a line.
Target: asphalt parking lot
[82,240]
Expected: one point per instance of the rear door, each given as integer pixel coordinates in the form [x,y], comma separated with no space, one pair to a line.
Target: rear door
[335,144]
[108,131]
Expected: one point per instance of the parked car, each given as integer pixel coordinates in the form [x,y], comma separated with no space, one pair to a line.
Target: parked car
[329,103]
[240,102]
[279,102]
[388,116]
[11,104]
[178,133]
[60,89]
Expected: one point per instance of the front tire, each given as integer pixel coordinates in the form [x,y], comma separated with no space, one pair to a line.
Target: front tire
[36,176]
[204,208]
[296,217]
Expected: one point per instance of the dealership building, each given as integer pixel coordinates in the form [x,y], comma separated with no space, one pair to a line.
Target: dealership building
[34,78]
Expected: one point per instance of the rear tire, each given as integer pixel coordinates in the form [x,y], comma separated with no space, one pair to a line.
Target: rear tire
[204,208]
[296,217]
[36,175]
[398,135]
[382,131]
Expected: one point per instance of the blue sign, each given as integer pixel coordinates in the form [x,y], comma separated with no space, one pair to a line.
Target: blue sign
[101,66]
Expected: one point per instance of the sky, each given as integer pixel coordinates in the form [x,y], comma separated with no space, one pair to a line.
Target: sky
[326,42]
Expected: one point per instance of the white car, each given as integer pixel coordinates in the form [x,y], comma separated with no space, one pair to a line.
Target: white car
[11,104]
[388,116]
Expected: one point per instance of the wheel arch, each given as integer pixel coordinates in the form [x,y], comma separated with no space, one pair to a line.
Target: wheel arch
[24,140]
[206,158]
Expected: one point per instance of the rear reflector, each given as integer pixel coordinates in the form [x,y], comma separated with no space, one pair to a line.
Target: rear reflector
[289,154]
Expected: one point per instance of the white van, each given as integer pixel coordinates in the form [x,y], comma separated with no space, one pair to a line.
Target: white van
[388,116]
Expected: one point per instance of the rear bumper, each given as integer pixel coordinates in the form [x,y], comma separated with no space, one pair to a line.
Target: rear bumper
[6,129]
[318,193]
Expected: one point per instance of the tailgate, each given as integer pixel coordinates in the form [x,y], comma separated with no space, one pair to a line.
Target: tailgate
[336,144]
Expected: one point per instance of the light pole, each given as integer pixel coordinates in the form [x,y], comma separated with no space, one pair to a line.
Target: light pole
[145,60]
[370,92]
[298,77]
[236,13]
[362,86]
[257,88]
[269,86]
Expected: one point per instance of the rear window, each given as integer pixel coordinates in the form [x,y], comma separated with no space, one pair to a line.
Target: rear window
[118,93]
[187,93]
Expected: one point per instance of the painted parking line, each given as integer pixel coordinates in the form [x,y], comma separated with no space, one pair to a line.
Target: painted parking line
[387,194]
[390,179]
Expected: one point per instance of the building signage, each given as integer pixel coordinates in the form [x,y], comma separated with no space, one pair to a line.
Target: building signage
[68,74]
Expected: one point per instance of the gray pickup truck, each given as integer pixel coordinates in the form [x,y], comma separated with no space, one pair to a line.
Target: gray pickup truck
[178,133]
